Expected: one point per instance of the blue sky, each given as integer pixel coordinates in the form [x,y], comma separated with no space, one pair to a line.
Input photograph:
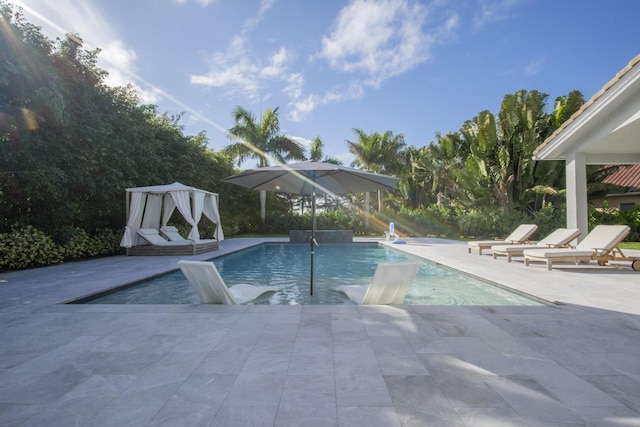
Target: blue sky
[415,67]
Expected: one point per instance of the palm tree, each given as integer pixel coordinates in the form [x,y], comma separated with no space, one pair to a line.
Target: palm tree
[380,153]
[260,140]
[316,153]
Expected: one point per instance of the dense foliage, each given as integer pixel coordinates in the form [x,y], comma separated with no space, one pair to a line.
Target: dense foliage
[71,144]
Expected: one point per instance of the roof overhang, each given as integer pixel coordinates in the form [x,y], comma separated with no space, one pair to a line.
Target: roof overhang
[606,130]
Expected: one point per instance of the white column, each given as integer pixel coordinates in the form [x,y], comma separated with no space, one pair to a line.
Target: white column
[577,208]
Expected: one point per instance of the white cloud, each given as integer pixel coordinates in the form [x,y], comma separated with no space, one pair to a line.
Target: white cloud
[202,3]
[533,68]
[295,86]
[493,11]
[306,143]
[59,17]
[277,64]
[237,70]
[380,39]
[302,107]
[373,40]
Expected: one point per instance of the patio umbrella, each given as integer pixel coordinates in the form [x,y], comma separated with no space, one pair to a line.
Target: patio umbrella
[313,178]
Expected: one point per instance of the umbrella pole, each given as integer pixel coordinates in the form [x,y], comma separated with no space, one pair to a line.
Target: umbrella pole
[312,240]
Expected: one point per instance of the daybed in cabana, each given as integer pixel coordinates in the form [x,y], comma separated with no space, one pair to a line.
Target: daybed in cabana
[150,208]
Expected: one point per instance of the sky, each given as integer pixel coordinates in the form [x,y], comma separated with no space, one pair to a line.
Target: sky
[412,67]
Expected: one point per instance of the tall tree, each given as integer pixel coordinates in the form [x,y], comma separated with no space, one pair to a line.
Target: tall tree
[430,169]
[380,153]
[261,140]
[316,153]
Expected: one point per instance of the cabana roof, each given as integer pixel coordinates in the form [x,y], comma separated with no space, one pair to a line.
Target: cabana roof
[161,189]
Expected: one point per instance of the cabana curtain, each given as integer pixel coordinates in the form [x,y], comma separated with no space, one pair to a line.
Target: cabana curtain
[152,211]
[210,210]
[152,207]
[136,207]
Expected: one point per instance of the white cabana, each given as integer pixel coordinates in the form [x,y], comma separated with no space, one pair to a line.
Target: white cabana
[152,207]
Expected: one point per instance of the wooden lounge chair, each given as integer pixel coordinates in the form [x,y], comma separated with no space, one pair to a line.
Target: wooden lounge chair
[211,289]
[560,238]
[600,245]
[519,236]
[390,284]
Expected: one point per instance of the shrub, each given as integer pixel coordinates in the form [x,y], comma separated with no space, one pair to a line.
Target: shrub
[278,222]
[491,223]
[549,218]
[25,246]
[106,242]
[343,219]
[609,215]
[78,245]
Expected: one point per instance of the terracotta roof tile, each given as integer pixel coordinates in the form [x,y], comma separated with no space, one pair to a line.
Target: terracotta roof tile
[626,176]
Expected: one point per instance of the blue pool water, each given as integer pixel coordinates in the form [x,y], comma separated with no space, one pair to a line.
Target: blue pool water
[287,266]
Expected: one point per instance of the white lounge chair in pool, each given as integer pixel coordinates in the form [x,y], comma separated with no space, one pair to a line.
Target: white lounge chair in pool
[206,280]
[152,236]
[560,238]
[389,285]
[171,233]
[601,245]
[519,236]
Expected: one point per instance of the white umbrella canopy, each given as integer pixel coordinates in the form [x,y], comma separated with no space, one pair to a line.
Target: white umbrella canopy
[313,178]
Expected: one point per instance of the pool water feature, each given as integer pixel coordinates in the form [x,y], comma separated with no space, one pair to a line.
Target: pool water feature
[287,265]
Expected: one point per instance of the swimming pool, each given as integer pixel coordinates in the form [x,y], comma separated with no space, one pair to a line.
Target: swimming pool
[286,265]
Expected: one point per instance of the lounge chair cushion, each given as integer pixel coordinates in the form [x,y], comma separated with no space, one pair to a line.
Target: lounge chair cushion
[559,238]
[152,236]
[557,253]
[171,233]
[520,235]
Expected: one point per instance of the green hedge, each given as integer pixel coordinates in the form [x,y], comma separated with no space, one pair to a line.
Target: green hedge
[26,247]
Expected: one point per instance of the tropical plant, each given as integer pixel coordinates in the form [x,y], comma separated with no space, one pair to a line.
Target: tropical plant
[380,153]
[260,140]
[316,153]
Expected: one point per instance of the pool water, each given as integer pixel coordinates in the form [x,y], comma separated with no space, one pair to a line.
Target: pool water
[287,266]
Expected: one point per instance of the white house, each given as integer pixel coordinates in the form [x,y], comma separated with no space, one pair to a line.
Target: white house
[606,130]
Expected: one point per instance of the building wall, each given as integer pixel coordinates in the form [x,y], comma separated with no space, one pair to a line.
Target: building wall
[615,200]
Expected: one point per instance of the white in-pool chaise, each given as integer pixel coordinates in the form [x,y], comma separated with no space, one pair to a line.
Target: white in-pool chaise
[519,236]
[560,238]
[600,245]
[390,284]
[211,289]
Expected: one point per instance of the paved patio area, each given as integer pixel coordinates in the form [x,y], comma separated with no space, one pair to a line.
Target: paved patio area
[576,363]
